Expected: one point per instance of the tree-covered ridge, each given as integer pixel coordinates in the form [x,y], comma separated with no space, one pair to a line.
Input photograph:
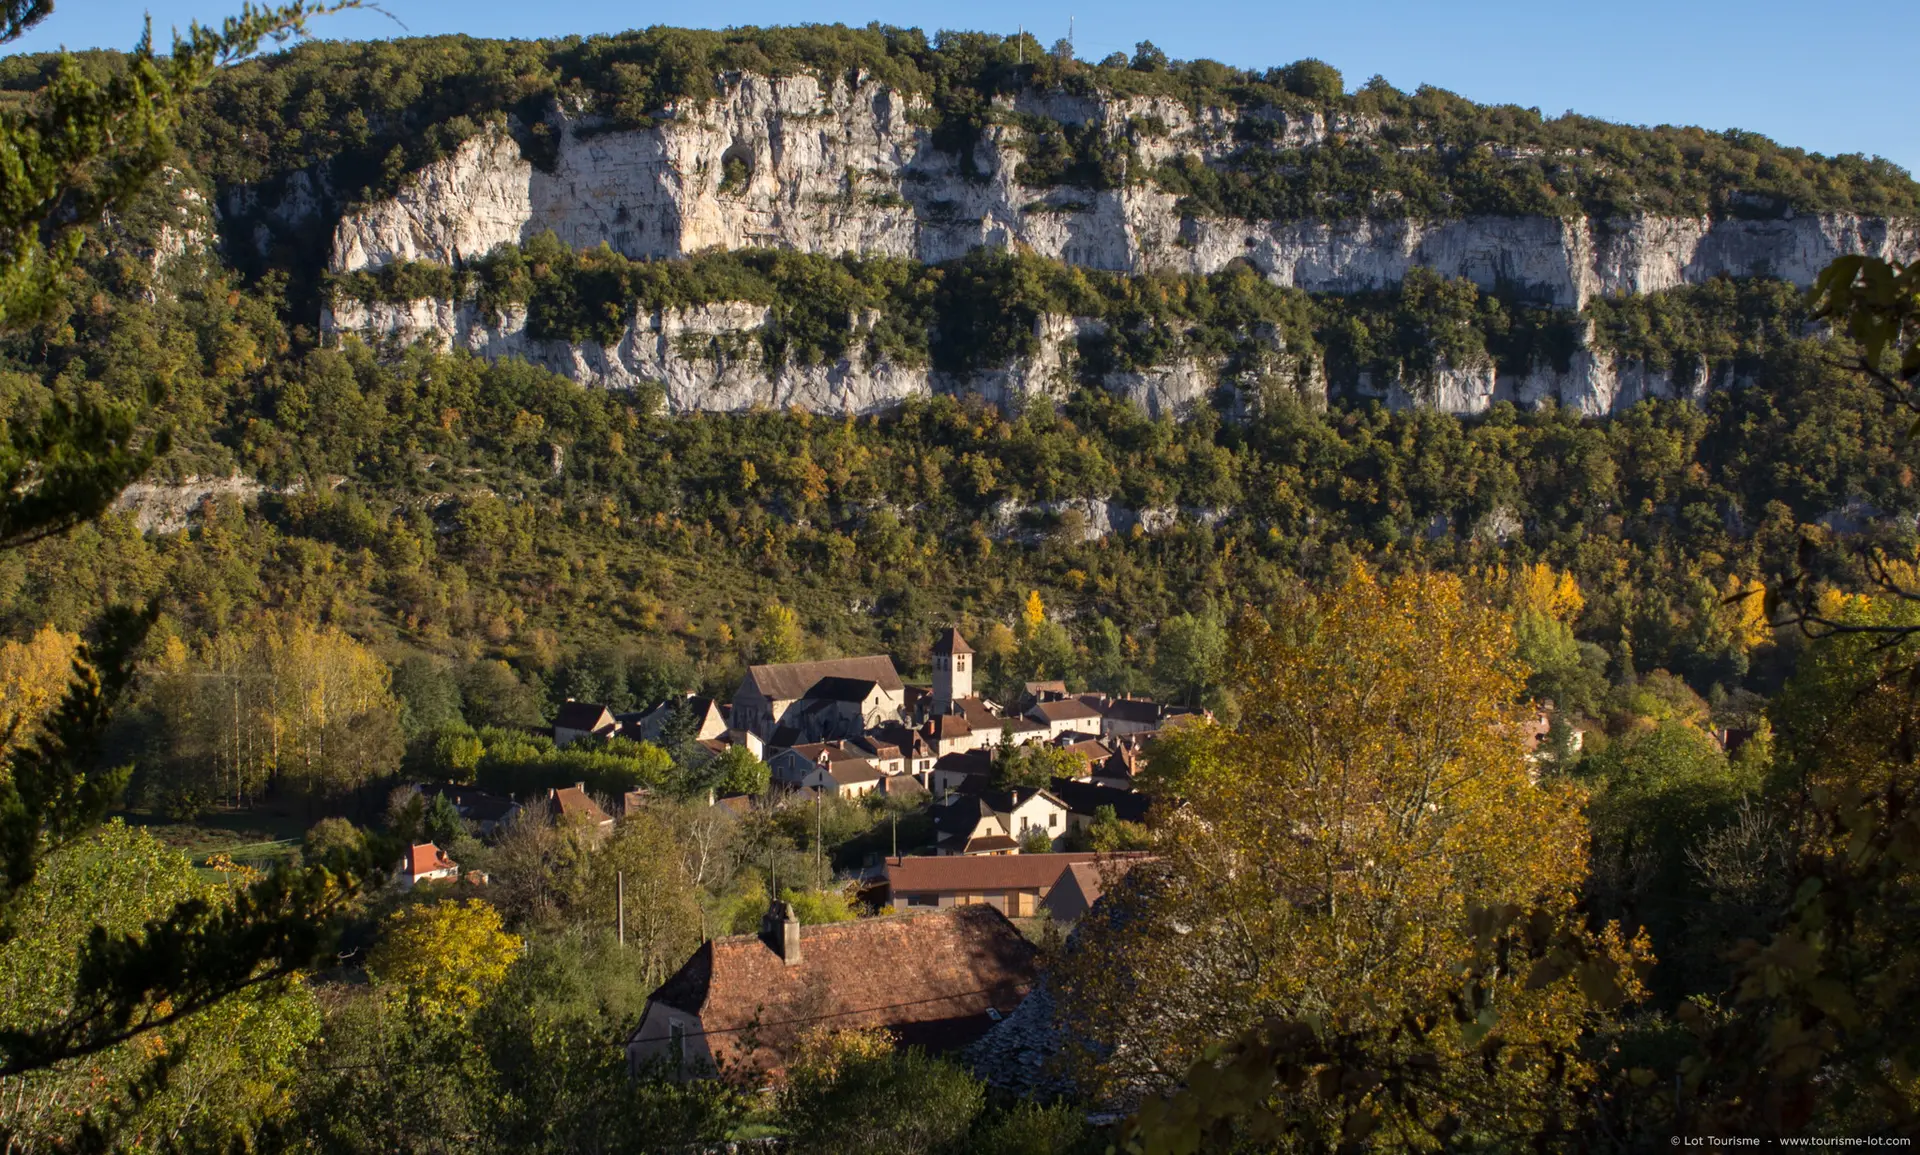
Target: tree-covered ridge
[372,113]
[430,500]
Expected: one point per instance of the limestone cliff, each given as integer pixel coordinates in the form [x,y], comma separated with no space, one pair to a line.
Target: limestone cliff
[849,167]
[709,358]
[786,163]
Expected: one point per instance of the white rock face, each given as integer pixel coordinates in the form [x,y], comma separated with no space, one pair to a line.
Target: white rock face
[785,163]
[159,507]
[709,358]
[788,163]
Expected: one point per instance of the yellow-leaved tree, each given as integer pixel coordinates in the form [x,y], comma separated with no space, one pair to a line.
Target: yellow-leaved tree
[444,957]
[33,676]
[1339,861]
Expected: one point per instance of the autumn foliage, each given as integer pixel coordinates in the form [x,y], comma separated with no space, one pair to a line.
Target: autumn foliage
[1327,859]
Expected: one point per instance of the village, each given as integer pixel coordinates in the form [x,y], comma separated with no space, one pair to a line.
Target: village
[1034,809]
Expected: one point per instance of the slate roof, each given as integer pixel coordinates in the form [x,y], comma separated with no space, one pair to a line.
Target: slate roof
[474,805]
[950,642]
[961,815]
[792,680]
[902,786]
[840,689]
[1086,797]
[1135,710]
[930,977]
[1011,798]
[968,762]
[586,716]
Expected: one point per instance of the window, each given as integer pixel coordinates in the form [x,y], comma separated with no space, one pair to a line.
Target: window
[1053,820]
[923,900]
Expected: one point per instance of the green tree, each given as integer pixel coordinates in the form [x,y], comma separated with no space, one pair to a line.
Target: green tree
[851,1094]
[737,771]
[429,697]
[226,1064]
[1189,653]
[75,151]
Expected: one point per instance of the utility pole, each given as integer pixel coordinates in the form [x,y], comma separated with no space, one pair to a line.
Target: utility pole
[1020,43]
[620,903]
[819,839]
[896,834]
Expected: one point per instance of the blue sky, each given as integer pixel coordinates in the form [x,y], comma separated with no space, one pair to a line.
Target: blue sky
[1821,77]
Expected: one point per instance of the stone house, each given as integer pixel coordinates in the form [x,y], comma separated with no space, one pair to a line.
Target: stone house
[1081,884]
[425,862]
[572,804]
[965,825]
[1083,801]
[577,720]
[1066,716]
[830,699]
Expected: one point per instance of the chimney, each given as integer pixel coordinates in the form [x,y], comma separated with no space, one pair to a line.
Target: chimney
[780,930]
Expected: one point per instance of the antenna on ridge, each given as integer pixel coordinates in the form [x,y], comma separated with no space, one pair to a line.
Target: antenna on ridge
[1069,35]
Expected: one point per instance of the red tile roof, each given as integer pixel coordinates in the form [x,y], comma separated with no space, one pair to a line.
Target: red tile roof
[425,858]
[929,977]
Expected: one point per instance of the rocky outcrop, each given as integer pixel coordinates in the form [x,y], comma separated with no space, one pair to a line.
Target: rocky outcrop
[788,163]
[849,167]
[710,358]
[163,507]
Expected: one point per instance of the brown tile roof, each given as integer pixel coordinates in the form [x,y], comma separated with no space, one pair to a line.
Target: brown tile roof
[853,771]
[736,803]
[792,680]
[1065,711]
[572,802]
[980,716]
[1093,750]
[951,726]
[968,875]
[930,977]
